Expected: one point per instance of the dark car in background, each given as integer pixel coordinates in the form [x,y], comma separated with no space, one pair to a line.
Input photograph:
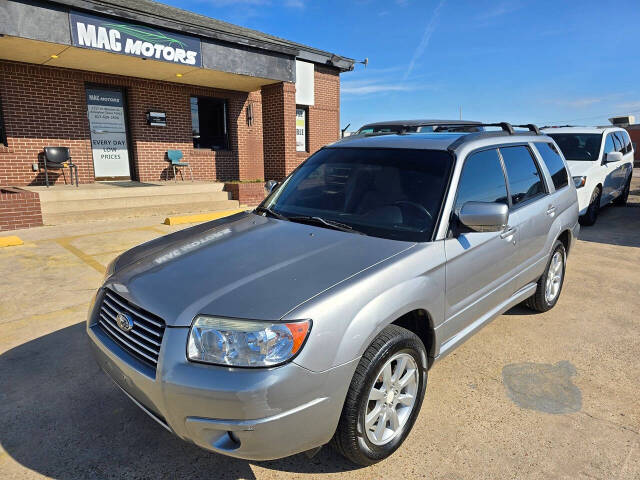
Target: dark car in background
[421,126]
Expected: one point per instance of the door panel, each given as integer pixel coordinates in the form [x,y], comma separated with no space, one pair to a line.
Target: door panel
[480,269]
[480,265]
[532,209]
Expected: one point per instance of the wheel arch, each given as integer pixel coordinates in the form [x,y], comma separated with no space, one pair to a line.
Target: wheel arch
[420,322]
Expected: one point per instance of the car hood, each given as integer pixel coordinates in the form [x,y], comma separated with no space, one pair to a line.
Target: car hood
[578,168]
[245,266]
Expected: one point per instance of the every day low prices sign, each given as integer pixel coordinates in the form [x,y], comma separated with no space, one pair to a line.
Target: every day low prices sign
[89,31]
[105,109]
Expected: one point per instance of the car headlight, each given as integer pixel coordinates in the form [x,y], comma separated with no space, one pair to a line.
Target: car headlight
[245,343]
[579,182]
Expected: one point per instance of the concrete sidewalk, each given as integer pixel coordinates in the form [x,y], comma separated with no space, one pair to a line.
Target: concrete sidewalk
[486,413]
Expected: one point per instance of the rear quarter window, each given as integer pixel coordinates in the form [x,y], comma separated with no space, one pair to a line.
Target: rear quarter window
[554,163]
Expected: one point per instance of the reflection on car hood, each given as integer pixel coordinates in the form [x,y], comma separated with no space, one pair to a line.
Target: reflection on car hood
[579,168]
[244,266]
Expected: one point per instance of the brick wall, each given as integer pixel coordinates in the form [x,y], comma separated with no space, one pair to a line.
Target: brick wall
[246,193]
[46,106]
[19,209]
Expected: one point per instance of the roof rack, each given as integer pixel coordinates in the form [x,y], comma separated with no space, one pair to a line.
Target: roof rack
[505,126]
[507,130]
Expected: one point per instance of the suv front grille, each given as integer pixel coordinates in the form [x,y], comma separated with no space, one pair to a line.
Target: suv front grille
[143,340]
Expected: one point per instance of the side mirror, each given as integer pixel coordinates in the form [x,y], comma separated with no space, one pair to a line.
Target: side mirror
[613,157]
[270,185]
[484,216]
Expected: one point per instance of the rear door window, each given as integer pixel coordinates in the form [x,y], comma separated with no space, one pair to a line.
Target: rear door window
[523,175]
[554,163]
[482,180]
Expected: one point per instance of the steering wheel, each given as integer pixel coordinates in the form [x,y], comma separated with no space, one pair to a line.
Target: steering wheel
[416,206]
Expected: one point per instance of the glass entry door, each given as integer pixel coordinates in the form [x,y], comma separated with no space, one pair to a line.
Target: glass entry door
[107,122]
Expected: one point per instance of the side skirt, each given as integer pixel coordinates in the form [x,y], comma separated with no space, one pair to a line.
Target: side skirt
[521,295]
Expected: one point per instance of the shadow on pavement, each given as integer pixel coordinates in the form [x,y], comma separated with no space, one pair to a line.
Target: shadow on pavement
[62,417]
[615,226]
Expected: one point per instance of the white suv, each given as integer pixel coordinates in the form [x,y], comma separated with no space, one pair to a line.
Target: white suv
[600,160]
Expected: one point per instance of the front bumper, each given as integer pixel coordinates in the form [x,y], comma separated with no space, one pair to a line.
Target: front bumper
[256,414]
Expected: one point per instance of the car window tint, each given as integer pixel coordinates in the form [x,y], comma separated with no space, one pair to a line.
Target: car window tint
[609,146]
[627,141]
[525,181]
[482,180]
[617,141]
[554,163]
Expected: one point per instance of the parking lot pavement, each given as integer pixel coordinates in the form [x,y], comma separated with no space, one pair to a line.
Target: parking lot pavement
[551,395]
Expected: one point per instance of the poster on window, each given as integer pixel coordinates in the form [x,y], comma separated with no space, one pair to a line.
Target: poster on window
[105,109]
[301,130]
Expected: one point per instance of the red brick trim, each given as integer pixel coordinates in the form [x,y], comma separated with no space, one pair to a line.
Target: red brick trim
[19,209]
[246,193]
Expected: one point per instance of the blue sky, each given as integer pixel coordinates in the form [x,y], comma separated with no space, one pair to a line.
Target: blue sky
[518,61]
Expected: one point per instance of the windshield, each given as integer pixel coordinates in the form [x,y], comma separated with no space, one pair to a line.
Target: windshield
[389,193]
[578,146]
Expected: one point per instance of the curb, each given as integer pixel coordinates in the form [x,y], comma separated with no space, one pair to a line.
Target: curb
[201,217]
[10,241]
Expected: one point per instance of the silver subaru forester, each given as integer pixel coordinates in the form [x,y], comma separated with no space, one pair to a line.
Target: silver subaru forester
[314,318]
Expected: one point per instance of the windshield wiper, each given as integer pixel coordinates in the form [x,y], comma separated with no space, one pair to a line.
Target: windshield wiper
[268,211]
[343,227]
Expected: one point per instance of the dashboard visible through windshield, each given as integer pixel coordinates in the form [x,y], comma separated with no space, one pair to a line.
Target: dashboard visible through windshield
[578,146]
[389,193]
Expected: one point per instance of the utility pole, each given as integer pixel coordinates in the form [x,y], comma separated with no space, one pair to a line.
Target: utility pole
[460,109]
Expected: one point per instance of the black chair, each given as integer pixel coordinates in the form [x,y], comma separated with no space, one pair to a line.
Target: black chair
[57,158]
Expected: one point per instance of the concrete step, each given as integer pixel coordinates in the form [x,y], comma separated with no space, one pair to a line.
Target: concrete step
[96,191]
[119,213]
[91,204]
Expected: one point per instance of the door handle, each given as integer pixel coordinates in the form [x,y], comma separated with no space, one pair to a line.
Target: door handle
[551,211]
[509,233]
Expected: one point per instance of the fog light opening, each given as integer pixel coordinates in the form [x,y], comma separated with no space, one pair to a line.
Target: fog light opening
[234,438]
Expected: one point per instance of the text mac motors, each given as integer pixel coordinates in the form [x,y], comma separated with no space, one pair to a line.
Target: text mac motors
[109,39]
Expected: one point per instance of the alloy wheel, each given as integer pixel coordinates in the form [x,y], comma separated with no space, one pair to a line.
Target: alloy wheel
[391,399]
[554,277]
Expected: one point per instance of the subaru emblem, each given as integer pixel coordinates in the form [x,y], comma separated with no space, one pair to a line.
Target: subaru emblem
[124,321]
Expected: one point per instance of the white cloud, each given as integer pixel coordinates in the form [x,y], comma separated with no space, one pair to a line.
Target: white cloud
[579,102]
[499,10]
[424,42]
[629,106]
[379,88]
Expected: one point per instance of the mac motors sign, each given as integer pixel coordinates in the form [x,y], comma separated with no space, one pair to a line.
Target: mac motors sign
[89,31]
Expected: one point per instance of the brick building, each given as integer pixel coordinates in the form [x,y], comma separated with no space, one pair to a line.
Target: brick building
[121,82]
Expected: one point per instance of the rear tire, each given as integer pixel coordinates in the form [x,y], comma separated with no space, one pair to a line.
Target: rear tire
[550,283]
[624,196]
[590,217]
[376,416]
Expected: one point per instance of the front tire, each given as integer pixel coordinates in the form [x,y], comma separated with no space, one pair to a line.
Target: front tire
[591,215]
[550,283]
[384,397]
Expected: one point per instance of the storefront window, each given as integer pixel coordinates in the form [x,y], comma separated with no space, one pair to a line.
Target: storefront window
[301,129]
[209,123]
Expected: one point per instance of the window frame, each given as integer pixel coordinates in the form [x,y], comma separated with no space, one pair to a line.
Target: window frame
[304,108]
[225,106]
[542,176]
[464,164]
[564,163]
[3,127]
